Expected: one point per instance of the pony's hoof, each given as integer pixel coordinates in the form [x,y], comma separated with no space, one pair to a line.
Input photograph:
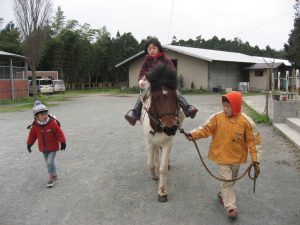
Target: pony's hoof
[163,198]
[155,178]
[169,167]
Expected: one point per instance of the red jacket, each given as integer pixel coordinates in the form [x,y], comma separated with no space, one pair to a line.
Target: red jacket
[49,136]
[150,61]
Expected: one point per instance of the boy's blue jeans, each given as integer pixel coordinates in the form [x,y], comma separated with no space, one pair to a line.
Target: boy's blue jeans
[49,158]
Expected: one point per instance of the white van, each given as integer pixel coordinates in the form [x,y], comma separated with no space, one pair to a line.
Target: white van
[44,86]
[59,86]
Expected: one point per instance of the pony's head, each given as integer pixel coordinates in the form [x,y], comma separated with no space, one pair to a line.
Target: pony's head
[163,110]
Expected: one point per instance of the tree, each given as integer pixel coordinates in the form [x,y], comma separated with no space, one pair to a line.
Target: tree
[235,45]
[123,46]
[58,22]
[292,48]
[33,17]
[10,39]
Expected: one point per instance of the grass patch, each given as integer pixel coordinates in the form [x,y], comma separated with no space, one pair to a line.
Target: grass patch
[197,92]
[253,93]
[257,117]
[22,107]
[92,91]
[22,104]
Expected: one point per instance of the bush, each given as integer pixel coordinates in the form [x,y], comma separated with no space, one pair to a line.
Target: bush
[192,85]
[180,81]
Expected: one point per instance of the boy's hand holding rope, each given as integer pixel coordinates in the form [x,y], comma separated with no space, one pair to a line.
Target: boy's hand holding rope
[255,165]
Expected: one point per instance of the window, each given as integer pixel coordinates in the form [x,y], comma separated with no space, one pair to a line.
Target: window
[259,73]
[174,61]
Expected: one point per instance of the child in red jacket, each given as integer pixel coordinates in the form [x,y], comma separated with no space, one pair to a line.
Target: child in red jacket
[49,135]
[155,55]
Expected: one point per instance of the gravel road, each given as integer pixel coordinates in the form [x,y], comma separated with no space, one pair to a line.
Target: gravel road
[103,177]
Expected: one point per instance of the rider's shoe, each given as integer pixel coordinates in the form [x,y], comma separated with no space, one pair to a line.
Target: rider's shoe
[131,118]
[192,111]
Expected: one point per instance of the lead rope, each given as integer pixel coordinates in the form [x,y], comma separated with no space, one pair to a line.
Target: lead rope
[248,170]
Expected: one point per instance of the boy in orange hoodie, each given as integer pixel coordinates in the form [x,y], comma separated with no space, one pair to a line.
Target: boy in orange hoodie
[233,135]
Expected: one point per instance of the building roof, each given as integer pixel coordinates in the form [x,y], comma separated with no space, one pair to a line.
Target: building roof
[258,66]
[213,55]
[272,60]
[2,53]
[130,58]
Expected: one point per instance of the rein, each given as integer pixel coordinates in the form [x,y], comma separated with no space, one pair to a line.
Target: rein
[149,114]
[157,121]
[248,170]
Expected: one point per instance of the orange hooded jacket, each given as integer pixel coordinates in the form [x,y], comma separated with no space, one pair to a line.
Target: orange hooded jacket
[232,137]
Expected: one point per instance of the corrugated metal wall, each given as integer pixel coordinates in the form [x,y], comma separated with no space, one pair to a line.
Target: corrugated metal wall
[203,74]
[224,74]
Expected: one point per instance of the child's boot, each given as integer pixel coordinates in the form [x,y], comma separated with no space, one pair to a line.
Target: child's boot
[131,118]
[189,110]
[192,111]
[135,114]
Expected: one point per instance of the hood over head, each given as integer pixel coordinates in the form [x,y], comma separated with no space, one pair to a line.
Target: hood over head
[235,100]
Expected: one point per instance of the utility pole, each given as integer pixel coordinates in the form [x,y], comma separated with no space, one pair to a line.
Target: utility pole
[269,74]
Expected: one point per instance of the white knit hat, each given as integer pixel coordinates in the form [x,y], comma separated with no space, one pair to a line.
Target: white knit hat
[38,107]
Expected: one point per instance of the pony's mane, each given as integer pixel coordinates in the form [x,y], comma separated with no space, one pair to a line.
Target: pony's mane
[162,75]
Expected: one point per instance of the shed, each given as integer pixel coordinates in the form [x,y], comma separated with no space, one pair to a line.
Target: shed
[13,76]
[268,73]
[44,74]
[205,68]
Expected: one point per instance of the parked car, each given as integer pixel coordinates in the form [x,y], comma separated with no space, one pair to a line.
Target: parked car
[44,86]
[59,86]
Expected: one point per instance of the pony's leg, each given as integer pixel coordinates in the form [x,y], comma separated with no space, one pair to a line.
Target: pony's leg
[163,172]
[151,161]
[156,160]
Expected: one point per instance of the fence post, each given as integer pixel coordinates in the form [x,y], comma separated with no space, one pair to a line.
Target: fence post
[11,80]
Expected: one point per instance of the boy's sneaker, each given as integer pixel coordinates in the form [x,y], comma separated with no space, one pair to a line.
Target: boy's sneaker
[192,111]
[50,184]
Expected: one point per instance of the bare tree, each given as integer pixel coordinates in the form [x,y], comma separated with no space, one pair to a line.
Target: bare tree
[33,18]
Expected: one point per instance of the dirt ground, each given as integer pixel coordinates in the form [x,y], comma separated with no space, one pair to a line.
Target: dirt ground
[103,177]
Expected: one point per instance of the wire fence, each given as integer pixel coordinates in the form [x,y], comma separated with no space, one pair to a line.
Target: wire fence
[87,86]
[18,73]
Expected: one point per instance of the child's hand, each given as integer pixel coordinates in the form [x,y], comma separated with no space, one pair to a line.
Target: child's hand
[29,148]
[188,136]
[63,146]
[143,83]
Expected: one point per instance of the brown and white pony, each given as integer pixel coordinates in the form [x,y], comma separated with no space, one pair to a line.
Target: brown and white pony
[160,118]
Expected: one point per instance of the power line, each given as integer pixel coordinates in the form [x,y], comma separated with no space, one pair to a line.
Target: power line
[262,24]
[170,22]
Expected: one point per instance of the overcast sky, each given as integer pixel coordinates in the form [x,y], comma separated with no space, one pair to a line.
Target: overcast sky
[261,22]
